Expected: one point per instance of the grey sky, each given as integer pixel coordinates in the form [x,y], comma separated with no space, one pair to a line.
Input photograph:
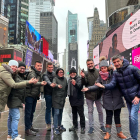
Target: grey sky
[84,9]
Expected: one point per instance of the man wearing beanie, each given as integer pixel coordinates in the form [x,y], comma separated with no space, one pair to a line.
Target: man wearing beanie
[88,79]
[76,99]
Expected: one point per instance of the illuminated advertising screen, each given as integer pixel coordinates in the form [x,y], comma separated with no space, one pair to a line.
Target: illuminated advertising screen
[17,56]
[45,47]
[3,31]
[123,38]
[50,55]
[28,59]
[32,38]
[36,57]
[96,55]
[136,57]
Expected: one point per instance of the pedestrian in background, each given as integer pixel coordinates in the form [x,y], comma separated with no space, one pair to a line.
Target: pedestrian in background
[76,99]
[58,100]
[112,99]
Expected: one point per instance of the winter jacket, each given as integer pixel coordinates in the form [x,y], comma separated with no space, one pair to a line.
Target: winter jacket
[48,77]
[17,96]
[89,80]
[33,90]
[112,99]
[128,79]
[76,96]
[59,95]
[6,83]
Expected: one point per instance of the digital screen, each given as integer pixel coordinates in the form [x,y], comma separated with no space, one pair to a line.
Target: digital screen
[17,56]
[123,38]
[50,55]
[96,55]
[36,57]
[136,57]
[45,47]
[3,32]
[32,38]
[28,59]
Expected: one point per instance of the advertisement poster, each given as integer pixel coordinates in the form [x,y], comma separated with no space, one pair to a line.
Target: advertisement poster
[28,60]
[32,38]
[50,55]
[45,47]
[96,55]
[17,56]
[136,57]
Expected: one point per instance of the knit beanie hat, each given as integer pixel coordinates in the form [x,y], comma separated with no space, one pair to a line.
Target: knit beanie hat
[13,63]
[72,70]
[103,62]
[22,64]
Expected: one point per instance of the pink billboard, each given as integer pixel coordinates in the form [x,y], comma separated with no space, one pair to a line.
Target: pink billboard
[136,57]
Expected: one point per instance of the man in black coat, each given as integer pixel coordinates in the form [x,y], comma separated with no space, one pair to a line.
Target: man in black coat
[48,76]
[76,99]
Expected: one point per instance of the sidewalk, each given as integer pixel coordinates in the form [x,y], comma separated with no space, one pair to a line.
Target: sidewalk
[39,122]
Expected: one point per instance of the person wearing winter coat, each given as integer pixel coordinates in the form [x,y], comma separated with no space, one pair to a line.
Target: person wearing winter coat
[128,79]
[76,99]
[112,99]
[58,100]
[7,82]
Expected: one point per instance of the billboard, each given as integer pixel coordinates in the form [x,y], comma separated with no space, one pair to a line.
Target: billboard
[96,55]
[136,57]
[36,57]
[3,31]
[45,47]
[32,38]
[50,55]
[17,56]
[123,38]
[28,59]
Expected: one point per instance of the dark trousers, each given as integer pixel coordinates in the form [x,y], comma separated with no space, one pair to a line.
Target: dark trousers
[109,115]
[80,111]
[30,106]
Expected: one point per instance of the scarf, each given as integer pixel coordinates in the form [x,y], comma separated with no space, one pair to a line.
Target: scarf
[104,75]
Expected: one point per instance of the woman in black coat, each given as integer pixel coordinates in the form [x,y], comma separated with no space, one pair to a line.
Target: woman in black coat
[112,99]
[58,99]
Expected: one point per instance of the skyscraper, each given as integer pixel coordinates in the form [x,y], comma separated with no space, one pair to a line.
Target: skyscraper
[90,27]
[49,29]
[2,7]
[17,13]
[72,25]
[37,6]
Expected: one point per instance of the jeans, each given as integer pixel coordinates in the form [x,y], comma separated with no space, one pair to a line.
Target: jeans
[12,122]
[57,117]
[109,115]
[91,109]
[48,99]
[80,111]
[30,106]
[133,119]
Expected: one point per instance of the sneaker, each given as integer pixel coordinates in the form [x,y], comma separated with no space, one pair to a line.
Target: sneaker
[9,137]
[82,130]
[56,131]
[17,138]
[91,130]
[29,132]
[73,128]
[34,129]
[61,128]
[48,127]
[102,129]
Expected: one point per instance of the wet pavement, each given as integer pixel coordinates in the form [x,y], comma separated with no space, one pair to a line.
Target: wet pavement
[39,122]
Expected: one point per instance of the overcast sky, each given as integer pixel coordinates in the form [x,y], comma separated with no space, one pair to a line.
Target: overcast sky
[84,9]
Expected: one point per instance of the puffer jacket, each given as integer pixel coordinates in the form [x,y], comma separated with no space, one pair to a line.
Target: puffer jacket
[6,83]
[112,99]
[17,96]
[128,79]
[33,90]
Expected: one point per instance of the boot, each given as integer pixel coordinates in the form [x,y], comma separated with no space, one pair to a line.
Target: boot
[48,127]
[34,129]
[29,132]
[108,131]
[119,132]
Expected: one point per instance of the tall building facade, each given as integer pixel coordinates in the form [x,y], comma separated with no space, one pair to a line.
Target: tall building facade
[2,7]
[99,30]
[37,6]
[113,5]
[17,13]
[72,25]
[49,29]
[64,60]
[90,27]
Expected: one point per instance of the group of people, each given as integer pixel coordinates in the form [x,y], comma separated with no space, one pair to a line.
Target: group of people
[105,87]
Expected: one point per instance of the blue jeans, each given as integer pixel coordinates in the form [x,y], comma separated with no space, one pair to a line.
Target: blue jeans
[12,122]
[133,119]
[30,106]
[57,117]
[48,99]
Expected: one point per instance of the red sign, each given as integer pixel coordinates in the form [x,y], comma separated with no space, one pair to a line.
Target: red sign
[45,47]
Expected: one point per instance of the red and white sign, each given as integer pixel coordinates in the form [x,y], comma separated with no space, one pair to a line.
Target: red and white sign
[96,55]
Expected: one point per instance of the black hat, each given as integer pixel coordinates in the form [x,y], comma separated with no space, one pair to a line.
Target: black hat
[59,70]
[22,64]
[72,70]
